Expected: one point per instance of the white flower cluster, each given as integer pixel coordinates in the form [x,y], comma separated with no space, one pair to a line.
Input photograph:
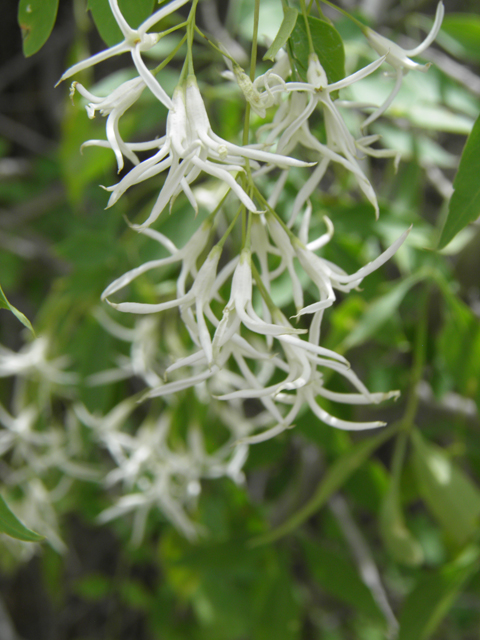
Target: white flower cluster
[246,352]
[41,452]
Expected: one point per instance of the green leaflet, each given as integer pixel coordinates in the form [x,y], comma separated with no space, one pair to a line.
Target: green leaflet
[433,596]
[328,46]
[12,526]
[448,492]
[286,28]
[36,19]
[134,11]
[464,29]
[395,534]
[464,206]
[338,577]
[380,310]
[334,478]
[5,304]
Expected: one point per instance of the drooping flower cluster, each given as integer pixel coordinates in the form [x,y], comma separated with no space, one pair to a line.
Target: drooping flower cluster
[243,355]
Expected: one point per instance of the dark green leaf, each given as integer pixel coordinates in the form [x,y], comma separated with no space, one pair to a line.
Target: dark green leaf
[36,19]
[464,204]
[332,481]
[339,578]
[5,304]
[448,492]
[11,525]
[134,11]
[286,28]
[433,596]
[328,46]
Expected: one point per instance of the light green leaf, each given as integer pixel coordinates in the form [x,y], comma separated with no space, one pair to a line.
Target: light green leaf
[5,304]
[134,11]
[286,28]
[328,46]
[36,19]
[379,311]
[464,204]
[430,601]
[448,492]
[464,28]
[397,538]
[338,577]
[334,478]
[11,525]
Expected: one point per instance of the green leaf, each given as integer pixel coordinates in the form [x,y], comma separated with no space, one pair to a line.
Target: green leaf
[464,28]
[286,28]
[433,596]
[380,310]
[448,492]
[399,541]
[36,19]
[328,46]
[5,304]
[134,11]
[464,204]
[11,525]
[333,480]
[338,577]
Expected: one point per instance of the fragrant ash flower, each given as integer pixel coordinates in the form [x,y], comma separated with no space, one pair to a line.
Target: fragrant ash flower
[290,126]
[113,106]
[135,42]
[399,58]
[191,147]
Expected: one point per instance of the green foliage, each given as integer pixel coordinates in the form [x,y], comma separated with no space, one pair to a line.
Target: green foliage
[286,28]
[134,11]
[441,483]
[5,304]
[328,46]
[464,204]
[433,596]
[36,19]
[11,525]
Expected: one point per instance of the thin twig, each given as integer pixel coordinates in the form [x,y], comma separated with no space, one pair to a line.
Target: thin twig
[366,564]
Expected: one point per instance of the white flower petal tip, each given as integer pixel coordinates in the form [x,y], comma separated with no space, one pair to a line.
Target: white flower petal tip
[399,58]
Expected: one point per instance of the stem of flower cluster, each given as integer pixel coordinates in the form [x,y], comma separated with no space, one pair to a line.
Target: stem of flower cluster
[307,26]
[170,56]
[345,13]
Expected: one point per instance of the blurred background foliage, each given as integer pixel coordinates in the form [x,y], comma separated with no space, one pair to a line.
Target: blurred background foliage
[334,536]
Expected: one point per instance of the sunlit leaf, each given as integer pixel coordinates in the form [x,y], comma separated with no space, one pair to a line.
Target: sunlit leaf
[434,595]
[36,19]
[464,204]
[11,525]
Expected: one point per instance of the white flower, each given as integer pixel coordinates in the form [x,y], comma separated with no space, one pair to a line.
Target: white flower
[31,361]
[135,41]
[399,58]
[113,106]
[190,147]
[291,124]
